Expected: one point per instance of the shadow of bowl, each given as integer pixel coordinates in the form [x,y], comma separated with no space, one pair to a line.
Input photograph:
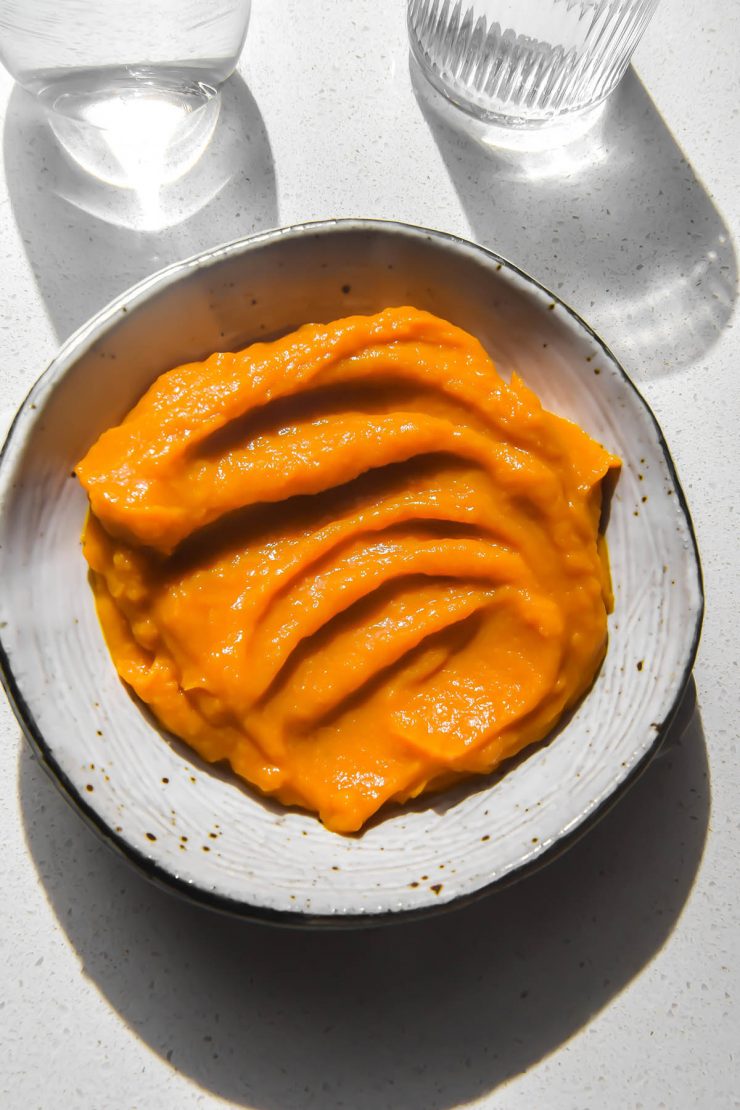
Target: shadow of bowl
[431,1013]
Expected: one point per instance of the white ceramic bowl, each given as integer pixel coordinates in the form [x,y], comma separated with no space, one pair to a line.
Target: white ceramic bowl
[153,799]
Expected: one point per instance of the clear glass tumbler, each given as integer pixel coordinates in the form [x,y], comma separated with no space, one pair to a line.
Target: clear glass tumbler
[526,63]
[87,58]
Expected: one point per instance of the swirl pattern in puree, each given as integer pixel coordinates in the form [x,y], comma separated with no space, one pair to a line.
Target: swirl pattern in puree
[353,562]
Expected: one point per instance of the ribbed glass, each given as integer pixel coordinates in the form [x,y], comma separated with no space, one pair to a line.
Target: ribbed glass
[526,62]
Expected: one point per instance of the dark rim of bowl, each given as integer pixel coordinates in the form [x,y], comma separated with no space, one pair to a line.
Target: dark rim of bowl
[158,874]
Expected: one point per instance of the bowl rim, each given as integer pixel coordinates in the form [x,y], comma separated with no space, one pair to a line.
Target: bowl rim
[158,874]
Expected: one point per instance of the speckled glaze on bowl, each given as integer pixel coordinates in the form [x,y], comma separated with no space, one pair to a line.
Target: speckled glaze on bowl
[193,827]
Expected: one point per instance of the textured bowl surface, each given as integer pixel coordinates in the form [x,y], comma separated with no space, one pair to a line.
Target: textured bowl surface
[194,827]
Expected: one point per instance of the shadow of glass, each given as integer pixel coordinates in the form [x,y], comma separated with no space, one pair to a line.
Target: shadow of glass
[88,240]
[617,223]
[436,1012]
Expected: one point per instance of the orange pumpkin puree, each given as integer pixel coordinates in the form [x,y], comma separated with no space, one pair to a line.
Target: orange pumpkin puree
[353,562]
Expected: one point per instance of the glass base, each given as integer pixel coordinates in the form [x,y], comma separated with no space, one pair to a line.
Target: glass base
[533,138]
[513,132]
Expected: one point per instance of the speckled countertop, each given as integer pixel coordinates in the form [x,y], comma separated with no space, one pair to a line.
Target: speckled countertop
[612,978]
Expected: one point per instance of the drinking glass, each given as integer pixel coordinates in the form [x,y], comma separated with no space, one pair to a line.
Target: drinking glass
[132,86]
[526,64]
[88,58]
